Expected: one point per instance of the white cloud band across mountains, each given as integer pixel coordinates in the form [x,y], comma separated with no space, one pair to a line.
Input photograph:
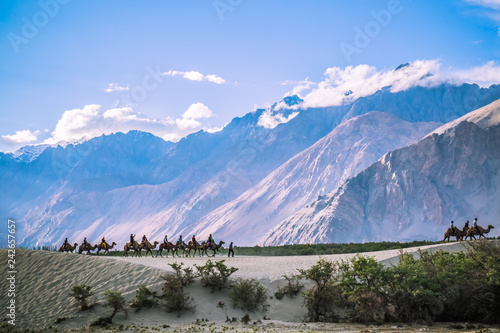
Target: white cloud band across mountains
[90,121]
[346,85]
[337,87]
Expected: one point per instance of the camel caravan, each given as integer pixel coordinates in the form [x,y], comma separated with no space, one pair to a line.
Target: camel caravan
[179,248]
[466,232]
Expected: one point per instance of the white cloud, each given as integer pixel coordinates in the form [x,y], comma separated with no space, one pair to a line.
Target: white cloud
[215,79]
[299,86]
[115,87]
[198,111]
[20,137]
[485,75]
[346,85]
[196,76]
[270,120]
[494,4]
[90,122]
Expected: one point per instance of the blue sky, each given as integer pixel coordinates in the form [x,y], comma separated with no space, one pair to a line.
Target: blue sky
[174,67]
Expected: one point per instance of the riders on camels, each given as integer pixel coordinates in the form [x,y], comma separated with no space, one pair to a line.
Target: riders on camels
[67,247]
[180,243]
[466,232]
[477,230]
[86,246]
[103,243]
[210,241]
[105,246]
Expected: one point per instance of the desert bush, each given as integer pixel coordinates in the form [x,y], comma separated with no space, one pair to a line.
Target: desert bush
[175,299]
[115,301]
[81,294]
[246,319]
[320,300]
[215,275]
[248,294]
[291,289]
[144,298]
[363,283]
[186,276]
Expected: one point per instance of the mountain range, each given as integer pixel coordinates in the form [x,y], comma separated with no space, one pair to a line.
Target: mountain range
[412,192]
[246,183]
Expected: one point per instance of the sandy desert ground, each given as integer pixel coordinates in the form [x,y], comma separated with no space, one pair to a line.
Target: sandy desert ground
[44,280]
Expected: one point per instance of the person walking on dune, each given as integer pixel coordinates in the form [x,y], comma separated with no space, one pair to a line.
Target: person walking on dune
[231,251]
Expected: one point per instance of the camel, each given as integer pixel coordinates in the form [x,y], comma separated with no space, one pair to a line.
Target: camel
[169,247]
[68,248]
[106,249]
[149,247]
[214,247]
[472,231]
[459,234]
[195,247]
[137,249]
[86,247]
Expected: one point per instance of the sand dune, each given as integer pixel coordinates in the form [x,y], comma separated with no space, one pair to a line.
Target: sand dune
[45,278]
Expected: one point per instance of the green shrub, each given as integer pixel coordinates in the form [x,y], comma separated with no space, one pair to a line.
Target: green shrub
[175,299]
[291,289]
[215,275]
[82,293]
[144,298]
[246,319]
[186,276]
[320,300]
[115,301]
[248,295]
[363,281]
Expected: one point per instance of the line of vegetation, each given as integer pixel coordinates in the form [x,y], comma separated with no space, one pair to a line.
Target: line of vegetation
[324,249]
[440,286]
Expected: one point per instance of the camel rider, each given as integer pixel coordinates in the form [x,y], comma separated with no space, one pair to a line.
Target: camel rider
[181,243]
[132,241]
[103,242]
[452,228]
[85,241]
[66,243]
[210,241]
[165,240]
[466,226]
[474,225]
[194,241]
